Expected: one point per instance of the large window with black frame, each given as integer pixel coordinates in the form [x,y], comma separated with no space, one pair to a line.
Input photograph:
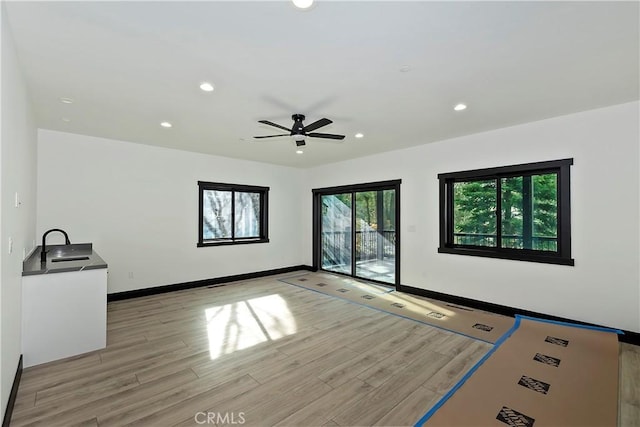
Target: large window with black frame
[520,212]
[232,214]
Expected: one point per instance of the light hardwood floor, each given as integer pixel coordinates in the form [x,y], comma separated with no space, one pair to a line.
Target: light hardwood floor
[259,352]
[629,399]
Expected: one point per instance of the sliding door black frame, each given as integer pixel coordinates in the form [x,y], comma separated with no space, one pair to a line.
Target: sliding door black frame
[317,220]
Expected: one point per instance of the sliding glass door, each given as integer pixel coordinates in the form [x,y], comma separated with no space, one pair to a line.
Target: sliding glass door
[356,230]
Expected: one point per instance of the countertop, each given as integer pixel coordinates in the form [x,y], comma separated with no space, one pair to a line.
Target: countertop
[56,254]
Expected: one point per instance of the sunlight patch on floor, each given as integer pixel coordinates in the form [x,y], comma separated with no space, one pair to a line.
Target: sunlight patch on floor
[243,324]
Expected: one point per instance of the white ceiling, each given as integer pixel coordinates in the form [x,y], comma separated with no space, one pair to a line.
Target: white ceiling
[130,65]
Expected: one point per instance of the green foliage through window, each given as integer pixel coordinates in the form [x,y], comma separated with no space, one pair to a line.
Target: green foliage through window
[474,205]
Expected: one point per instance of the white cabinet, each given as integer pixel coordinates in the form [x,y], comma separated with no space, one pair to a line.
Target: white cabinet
[63,314]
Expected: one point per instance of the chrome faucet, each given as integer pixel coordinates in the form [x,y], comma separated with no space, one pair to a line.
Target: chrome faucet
[43,254]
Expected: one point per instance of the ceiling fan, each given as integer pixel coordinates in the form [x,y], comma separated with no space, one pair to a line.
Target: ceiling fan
[298,132]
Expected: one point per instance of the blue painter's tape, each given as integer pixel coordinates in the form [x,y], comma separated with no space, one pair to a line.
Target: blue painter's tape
[471,371]
[384,311]
[573,325]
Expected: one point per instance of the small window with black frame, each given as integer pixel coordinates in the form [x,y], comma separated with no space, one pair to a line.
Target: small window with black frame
[232,214]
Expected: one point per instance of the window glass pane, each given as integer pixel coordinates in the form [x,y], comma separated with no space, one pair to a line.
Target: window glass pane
[336,233]
[375,235]
[512,211]
[544,190]
[474,213]
[247,214]
[388,228]
[529,212]
[216,215]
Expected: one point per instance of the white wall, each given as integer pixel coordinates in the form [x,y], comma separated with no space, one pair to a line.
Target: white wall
[138,205]
[602,288]
[17,172]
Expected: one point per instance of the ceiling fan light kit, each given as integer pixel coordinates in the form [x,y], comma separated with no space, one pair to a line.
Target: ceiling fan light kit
[302,4]
[299,131]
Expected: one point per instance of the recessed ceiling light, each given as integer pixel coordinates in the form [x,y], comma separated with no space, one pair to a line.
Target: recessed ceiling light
[66,119]
[299,151]
[206,86]
[166,124]
[460,107]
[405,69]
[66,100]
[359,135]
[303,4]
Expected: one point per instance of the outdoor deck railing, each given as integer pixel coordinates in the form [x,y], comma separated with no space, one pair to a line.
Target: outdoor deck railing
[538,243]
[370,244]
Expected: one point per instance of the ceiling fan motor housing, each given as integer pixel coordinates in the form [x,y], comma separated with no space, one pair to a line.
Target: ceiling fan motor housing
[298,127]
[299,131]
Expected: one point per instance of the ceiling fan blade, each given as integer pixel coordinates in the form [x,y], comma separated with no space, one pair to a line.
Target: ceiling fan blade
[267,122]
[325,135]
[272,136]
[317,124]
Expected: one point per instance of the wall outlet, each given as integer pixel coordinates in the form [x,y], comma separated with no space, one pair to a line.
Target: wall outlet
[131,275]
[17,200]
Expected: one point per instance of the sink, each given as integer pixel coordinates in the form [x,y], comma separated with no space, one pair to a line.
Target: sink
[73,258]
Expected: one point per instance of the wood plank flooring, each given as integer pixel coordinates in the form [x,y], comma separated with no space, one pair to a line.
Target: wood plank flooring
[629,396]
[262,352]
